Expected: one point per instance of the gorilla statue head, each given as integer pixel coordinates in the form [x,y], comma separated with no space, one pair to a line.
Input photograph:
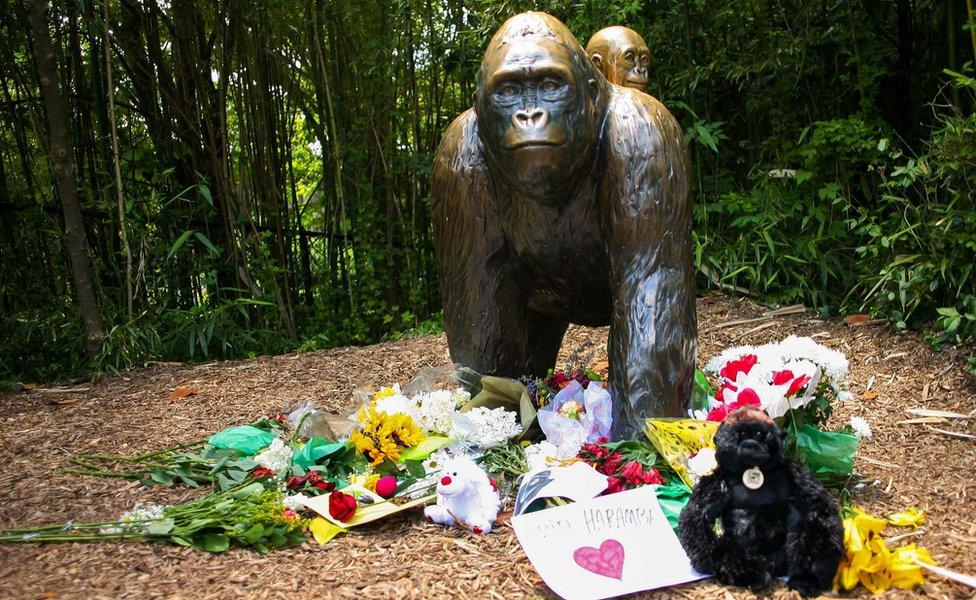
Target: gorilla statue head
[540,106]
[622,55]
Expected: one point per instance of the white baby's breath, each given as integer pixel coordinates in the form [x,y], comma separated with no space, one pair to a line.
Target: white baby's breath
[483,428]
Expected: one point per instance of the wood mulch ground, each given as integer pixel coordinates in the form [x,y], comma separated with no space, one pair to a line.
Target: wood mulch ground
[902,465]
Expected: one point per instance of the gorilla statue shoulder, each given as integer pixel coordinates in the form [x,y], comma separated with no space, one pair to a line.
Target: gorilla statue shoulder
[760,515]
[559,198]
[622,55]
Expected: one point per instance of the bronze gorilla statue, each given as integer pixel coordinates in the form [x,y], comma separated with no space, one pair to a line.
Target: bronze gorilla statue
[559,198]
[622,55]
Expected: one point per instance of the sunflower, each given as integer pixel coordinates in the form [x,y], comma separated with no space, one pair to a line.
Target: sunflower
[384,436]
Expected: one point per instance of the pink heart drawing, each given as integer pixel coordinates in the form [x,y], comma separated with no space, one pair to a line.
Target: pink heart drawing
[607,560]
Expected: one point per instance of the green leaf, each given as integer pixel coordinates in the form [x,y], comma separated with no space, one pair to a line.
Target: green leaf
[160,476]
[206,242]
[160,527]
[255,533]
[215,542]
[425,448]
[179,243]
[415,468]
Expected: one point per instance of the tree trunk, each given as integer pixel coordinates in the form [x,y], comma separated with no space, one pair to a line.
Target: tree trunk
[63,167]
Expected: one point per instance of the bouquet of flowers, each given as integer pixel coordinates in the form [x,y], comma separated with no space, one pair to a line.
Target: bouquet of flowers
[795,374]
[576,416]
[796,381]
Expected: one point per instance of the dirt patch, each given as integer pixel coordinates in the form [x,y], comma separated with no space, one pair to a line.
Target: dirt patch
[902,465]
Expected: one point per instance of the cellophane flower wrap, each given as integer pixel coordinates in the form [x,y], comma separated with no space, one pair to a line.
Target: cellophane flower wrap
[576,416]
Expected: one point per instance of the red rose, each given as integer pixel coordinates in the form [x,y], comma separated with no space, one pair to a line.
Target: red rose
[342,507]
[745,364]
[325,486]
[781,377]
[612,464]
[652,477]
[296,482]
[614,485]
[633,473]
[262,472]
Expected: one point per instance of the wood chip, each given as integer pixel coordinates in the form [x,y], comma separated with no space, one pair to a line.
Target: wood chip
[945,414]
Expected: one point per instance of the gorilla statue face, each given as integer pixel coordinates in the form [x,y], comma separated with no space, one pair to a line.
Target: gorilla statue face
[539,107]
[622,55]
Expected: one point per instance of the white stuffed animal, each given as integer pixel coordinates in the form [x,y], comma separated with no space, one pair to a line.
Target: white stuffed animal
[465,496]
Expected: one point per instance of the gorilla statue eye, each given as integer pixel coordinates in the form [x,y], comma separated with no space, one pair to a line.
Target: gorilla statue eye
[508,89]
[551,85]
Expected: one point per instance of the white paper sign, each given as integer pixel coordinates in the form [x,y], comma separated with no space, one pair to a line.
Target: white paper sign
[604,547]
[578,481]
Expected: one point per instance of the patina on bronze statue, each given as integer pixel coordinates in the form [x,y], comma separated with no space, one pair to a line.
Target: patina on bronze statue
[559,198]
[622,55]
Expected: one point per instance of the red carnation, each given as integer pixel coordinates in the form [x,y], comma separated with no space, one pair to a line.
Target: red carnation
[342,507]
[781,377]
[745,364]
[262,472]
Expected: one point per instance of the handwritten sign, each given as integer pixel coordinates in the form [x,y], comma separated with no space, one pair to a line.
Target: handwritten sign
[605,546]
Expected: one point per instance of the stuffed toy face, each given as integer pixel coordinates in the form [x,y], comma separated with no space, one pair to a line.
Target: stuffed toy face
[451,483]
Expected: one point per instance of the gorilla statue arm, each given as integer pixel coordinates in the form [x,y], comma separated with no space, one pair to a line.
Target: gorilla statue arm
[652,332]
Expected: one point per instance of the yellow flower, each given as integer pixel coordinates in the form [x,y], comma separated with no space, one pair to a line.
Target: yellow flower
[905,572]
[384,393]
[910,517]
[871,563]
[365,480]
[384,436]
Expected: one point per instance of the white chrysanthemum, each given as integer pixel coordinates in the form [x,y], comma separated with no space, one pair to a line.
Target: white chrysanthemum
[798,354]
[569,446]
[399,404]
[861,427]
[276,457]
[461,397]
[436,410]
[483,428]
[541,455]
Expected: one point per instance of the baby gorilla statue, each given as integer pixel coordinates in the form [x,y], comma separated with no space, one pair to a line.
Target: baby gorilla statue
[760,515]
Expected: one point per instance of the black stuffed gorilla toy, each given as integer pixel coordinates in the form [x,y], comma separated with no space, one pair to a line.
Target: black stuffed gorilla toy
[560,198]
[760,515]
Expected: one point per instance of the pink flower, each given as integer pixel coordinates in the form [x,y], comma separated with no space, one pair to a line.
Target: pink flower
[745,364]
